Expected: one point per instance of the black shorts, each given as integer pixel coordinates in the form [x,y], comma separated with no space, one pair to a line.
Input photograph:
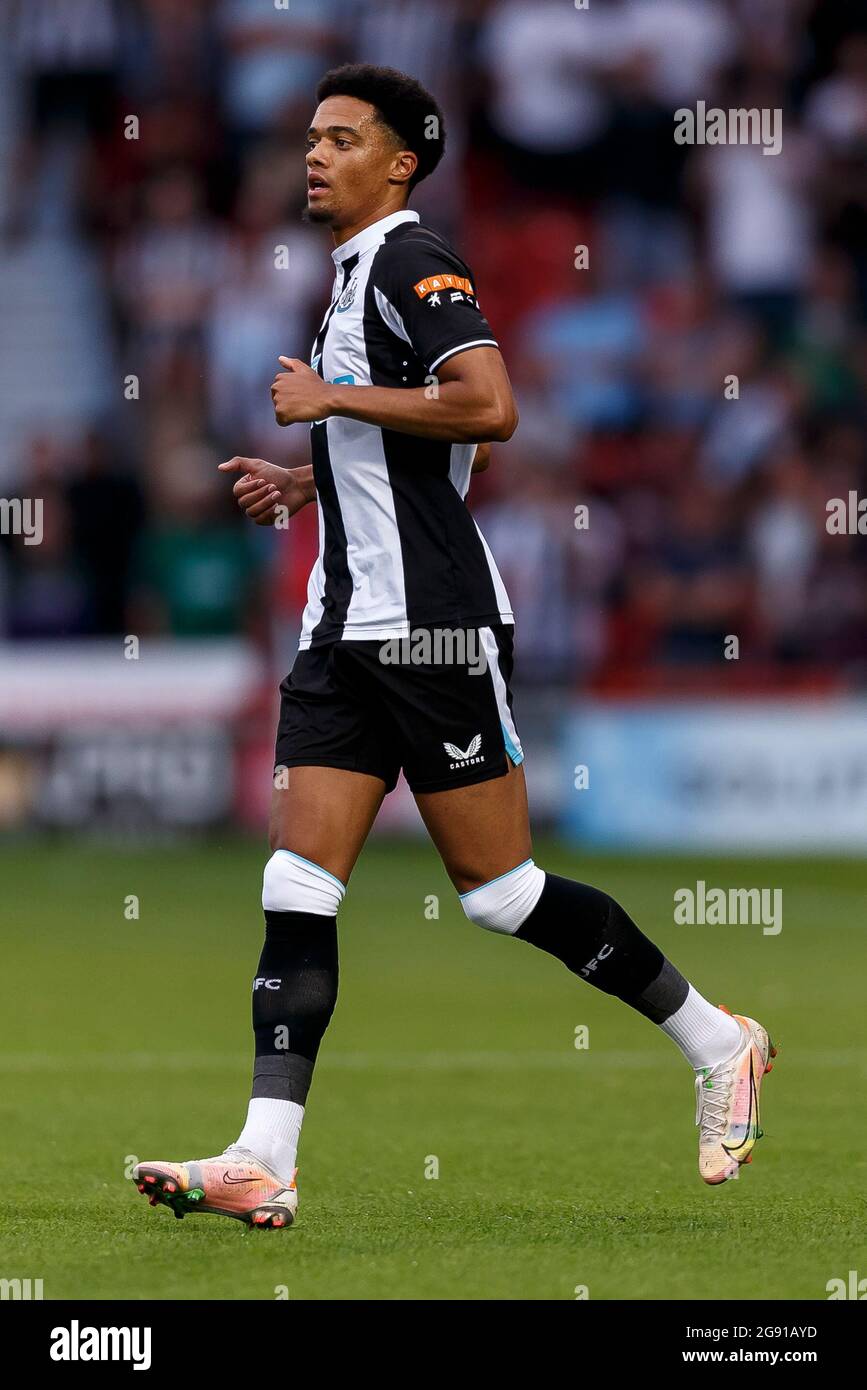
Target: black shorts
[437,704]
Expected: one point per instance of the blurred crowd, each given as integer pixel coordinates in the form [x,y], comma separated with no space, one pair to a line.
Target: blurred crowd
[695,379]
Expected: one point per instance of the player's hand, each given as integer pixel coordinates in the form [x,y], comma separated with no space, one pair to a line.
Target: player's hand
[299,393]
[263,487]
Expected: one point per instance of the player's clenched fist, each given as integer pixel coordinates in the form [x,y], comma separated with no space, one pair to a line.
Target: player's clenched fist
[299,393]
[263,487]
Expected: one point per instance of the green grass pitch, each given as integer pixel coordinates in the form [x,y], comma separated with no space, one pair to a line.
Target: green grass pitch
[558,1167]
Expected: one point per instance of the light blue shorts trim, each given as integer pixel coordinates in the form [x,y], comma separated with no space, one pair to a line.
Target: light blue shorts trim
[495,880]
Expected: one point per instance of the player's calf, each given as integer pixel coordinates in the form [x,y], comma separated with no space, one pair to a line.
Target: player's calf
[596,939]
[294,993]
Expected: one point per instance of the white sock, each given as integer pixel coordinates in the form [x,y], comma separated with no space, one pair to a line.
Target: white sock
[704,1034]
[271,1132]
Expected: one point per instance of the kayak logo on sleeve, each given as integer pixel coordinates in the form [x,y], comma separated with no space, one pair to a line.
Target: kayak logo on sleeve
[440,283]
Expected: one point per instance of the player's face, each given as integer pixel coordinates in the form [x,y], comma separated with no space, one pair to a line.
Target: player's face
[352,163]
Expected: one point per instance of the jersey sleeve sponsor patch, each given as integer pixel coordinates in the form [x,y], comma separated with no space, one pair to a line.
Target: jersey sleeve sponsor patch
[429,298]
[437,283]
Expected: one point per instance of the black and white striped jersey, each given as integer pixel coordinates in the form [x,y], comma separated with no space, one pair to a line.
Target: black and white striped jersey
[398,548]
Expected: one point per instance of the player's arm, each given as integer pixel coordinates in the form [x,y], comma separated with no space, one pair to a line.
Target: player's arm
[481,458]
[425,297]
[470,401]
[263,487]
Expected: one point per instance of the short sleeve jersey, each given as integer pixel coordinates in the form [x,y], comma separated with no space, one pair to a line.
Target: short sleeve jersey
[398,548]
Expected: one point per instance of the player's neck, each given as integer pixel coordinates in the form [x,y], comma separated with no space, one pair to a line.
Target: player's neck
[344,234]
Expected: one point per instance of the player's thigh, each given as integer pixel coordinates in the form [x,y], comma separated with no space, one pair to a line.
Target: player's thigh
[324,814]
[481,830]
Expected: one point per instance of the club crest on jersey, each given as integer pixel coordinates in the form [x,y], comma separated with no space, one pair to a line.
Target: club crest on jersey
[347,299]
[465,757]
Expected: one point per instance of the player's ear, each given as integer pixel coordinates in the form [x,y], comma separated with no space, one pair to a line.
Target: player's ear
[403,166]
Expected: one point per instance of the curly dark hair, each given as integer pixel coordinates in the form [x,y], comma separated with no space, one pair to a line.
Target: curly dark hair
[403,105]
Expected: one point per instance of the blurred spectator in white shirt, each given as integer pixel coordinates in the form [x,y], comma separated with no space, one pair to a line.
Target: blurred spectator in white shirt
[837,108]
[783,540]
[276,278]
[275,57]
[169,266]
[687,41]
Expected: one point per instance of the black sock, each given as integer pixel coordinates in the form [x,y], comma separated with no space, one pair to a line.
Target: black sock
[294,994]
[592,935]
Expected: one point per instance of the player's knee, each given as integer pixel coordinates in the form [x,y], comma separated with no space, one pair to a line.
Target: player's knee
[293,884]
[506,902]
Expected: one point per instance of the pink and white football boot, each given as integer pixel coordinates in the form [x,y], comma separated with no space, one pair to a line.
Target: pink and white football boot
[727,1104]
[235,1184]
